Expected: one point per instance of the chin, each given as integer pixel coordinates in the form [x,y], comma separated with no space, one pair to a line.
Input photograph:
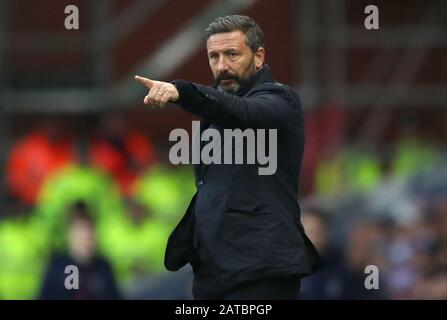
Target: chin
[229,89]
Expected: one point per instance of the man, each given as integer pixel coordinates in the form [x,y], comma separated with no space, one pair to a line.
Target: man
[242,232]
[96,280]
[328,282]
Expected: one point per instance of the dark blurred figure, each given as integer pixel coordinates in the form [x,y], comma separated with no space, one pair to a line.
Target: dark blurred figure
[96,279]
[343,276]
[327,282]
[366,246]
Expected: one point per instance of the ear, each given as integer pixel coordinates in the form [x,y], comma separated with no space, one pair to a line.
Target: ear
[259,58]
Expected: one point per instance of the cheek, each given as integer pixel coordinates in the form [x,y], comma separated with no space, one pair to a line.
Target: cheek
[247,64]
[213,69]
[235,68]
[247,69]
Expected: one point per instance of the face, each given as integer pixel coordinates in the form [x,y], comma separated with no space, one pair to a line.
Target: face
[315,230]
[231,60]
[82,241]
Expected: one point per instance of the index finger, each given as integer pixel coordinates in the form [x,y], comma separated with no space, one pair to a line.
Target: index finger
[145,81]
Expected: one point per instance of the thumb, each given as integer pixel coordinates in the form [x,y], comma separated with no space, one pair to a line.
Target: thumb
[145,81]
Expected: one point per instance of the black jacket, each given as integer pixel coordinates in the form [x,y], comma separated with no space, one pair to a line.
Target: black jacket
[96,280]
[249,224]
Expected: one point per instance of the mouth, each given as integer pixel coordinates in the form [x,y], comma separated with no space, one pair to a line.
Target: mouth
[227,82]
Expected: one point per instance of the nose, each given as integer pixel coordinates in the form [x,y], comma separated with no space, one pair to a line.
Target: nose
[222,65]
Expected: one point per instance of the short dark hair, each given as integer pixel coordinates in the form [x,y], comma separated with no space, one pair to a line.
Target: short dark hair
[252,31]
[79,212]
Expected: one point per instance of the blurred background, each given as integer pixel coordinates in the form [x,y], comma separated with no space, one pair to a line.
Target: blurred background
[85,176]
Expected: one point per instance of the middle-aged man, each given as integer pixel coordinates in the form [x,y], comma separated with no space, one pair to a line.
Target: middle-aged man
[241,232]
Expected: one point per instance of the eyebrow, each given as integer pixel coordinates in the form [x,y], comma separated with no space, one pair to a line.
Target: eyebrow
[224,51]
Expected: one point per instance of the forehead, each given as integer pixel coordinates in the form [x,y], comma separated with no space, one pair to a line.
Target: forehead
[227,40]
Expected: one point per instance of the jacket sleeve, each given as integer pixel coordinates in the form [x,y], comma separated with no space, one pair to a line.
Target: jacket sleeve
[268,109]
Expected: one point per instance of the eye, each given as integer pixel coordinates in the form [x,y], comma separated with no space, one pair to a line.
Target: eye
[212,57]
[233,54]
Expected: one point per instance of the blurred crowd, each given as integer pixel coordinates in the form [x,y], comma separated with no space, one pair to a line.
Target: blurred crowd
[106,204]
[411,257]
[109,204]
[389,212]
